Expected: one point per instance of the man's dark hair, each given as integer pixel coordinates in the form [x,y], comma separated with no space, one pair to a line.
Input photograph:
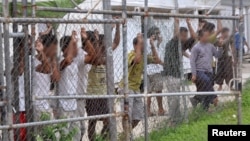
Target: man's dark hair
[135,41]
[202,21]
[183,29]
[201,32]
[188,44]
[47,40]
[64,42]
[101,41]
[101,37]
[21,41]
[91,38]
[208,27]
[152,31]
[225,29]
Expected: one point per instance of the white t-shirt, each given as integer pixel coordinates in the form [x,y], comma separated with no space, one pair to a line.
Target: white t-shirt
[153,68]
[83,70]
[41,87]
[68,84]
[21,93]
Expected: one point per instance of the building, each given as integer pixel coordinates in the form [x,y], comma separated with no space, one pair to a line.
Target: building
[135,22]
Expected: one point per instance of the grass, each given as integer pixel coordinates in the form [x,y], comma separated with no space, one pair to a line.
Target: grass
[196,128]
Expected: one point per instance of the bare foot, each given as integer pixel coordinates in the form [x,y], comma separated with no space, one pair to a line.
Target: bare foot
[210,110]
[150,114]
[215,101]
[220,88]
[161,112]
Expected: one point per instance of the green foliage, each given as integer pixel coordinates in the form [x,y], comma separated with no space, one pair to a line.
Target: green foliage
[49,3]
[245,95]
[48,132]
[99,138]
[196,128]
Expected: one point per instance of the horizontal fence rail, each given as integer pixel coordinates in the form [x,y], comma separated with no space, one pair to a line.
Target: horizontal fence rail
[137,95]
[134,13]
[60,20]
[4,127]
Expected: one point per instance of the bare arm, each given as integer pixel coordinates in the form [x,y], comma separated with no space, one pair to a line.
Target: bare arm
[156,57]
[91,53]
[191,30]
[184,53]
[73,41]
[49,29]
[55,77]
[69,58]
[176,27]
[219,27]
[194,55]
[233,50]
[245,42]
[138,55]
[117,37]
[44,67]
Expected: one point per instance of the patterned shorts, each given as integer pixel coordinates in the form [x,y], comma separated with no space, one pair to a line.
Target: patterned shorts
[155,82]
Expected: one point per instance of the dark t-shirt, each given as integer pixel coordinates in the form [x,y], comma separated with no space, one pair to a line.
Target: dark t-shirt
[172,66]
[172,59]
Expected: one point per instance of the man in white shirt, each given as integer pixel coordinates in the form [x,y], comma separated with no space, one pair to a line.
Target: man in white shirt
[154,71]
[69,82]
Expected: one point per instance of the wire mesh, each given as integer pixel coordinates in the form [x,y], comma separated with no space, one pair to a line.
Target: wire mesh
[71,60]
[175,110]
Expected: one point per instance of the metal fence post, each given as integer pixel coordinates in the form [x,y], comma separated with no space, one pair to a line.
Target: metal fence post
[236,68]
[241,32]
[247,26]
[15,72]
[233,14]
[2,91]
[33,34]
[182,88]
[9,94]
[110,70]
[1,73]
[125,72]
[27,75]
[145,76]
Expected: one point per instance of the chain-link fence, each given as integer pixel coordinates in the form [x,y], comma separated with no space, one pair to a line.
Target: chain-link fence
[117,75]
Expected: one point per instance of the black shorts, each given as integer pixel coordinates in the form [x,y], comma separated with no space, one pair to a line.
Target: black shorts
[97,107]
[224,71]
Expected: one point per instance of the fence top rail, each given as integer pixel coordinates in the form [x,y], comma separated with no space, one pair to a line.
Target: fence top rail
[225,93]
[134,13]
[60,20]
